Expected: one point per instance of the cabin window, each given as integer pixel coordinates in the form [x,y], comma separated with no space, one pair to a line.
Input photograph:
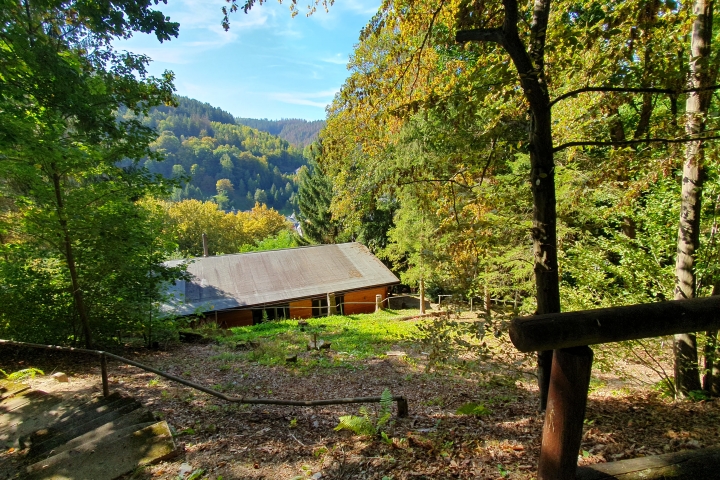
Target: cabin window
[320,306]
[273,312]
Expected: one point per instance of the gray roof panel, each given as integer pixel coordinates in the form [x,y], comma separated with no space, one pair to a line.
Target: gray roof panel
[276,276]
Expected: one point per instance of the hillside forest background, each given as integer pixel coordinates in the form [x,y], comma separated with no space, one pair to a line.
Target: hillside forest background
[456,120]
[235,162]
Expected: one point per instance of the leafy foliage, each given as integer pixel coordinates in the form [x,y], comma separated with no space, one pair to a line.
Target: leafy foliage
[365,423]
[476,409]
[297,132]
[314,197]
[226,232]
[80,250]
[23,374]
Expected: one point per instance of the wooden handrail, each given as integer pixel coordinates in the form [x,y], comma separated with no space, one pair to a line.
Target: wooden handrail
[402,404]
[605,325]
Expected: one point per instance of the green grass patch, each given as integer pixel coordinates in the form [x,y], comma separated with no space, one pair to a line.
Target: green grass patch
[356,336]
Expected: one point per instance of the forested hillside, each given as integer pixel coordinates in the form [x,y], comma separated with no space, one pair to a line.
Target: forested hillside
[296,131]
[234,165]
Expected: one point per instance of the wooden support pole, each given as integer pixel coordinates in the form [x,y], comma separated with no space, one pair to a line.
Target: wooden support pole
[422,296]
[104,375]
[332,305]
[567,399]
[378,303]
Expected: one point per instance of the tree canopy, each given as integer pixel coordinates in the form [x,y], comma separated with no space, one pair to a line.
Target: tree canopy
[81,251]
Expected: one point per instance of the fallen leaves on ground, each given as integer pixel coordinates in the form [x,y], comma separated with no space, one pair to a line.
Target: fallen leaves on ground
[235,441]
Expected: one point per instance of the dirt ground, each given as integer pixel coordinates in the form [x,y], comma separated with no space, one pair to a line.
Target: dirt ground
[232,441]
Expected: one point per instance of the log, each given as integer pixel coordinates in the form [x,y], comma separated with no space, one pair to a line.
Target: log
[591,327]
[689,464]
[567,399]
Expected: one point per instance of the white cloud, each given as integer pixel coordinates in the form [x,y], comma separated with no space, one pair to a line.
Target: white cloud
[200,31]
[337,59]
[313,99]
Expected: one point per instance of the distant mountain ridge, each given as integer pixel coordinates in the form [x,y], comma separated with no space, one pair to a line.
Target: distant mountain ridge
[296,131]
[221,160]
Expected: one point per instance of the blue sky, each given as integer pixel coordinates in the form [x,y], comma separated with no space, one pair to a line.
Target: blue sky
[268,65]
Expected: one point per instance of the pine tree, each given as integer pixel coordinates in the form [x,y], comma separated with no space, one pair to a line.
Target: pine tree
[314,198]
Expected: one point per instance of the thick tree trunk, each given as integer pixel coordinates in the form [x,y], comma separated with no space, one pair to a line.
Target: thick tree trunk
[687,377]
[530,64]
[70,258]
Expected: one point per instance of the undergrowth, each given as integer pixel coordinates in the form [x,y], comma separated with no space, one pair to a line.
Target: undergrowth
[367,424]
[23,374]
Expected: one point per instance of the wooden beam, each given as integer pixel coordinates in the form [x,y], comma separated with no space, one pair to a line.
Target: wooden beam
[591,327]
[689,464]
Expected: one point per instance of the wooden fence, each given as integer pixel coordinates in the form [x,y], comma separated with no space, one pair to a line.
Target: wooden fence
[568,335]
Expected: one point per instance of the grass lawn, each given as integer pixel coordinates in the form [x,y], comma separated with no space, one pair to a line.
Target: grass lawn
[353,338]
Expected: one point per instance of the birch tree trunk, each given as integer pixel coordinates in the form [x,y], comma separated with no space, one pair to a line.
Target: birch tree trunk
[687,375]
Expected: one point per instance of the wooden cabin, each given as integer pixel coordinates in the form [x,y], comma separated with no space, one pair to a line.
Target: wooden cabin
[245,288]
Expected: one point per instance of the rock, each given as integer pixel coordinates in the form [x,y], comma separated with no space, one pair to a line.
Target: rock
[317,476]
[321,344]
[60,377]
[185,468]
[291,359]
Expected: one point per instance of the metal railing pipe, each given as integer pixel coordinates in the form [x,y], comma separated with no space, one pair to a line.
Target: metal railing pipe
[402,404]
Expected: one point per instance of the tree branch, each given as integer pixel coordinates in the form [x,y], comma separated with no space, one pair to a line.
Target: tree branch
[667,91]
[632,142]
[480,35]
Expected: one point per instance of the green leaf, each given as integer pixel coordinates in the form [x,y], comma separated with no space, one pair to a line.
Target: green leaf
[476,409]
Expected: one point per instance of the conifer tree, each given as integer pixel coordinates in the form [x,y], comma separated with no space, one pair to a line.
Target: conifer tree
[314,199]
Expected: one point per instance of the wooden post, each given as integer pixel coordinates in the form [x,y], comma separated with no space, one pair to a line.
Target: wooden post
[332,306]
[104,374]
[422,296]
[378,302]
[205,245]
[402,407]
[487,294]
[567,399]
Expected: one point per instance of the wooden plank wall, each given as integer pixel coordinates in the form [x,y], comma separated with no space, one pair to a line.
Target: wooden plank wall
[301,309]
[234,318]
[363,296]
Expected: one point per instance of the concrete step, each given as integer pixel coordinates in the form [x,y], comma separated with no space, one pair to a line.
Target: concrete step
[130,422]
[26,405]
[61,432]
[109,457]
[28,417]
